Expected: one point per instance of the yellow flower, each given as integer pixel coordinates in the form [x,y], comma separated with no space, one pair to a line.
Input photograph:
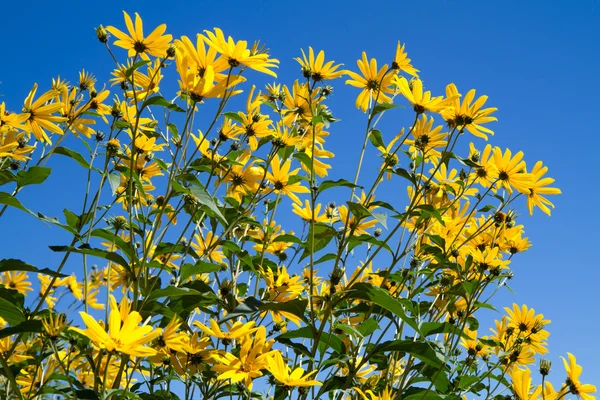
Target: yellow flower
[421,101]
[307,214]
[16,280]
[280,177]
[40,115]
[510,171]
[236,53]
[573,384]
[202,58]
[284,374]
[317,69]
[470,116]
[206,246]
[521,384]
[235,332]
[248,365]
[539,187]
[155,44]
[375,84]
[402,62]
[126,336]
[12,119]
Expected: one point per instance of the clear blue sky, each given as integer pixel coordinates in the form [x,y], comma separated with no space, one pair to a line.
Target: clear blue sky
[539,63]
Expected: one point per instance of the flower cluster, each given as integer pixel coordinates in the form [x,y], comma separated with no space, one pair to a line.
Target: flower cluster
[216,227]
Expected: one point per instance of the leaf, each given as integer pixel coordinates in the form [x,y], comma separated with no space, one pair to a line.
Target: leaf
[114,179]
[200,267]
[433,328]
[424,351]
[368,326]
[85,249]
[486,208]
[9,200]
[296,307]
[381,297]
[381,217]
[173,292]
[328,341]
[6,176]
[206,199]
[323,234]
[304,159]
[12,264]
[340,182]
[381,107]
[31,325]
[162,102]
[135,66]
[234,117]
[33,176]
[375,138]
[10,312]
[74,155]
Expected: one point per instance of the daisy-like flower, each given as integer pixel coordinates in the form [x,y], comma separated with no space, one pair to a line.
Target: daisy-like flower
[155,44]
[540,187]
[510,171]
[235,331]
[521,384]
[41,118]
[236,53]
[284,374]
[471,116]
[280,177]
[206,246]
[126,337]
[421,101]
[402,62]
[573,384]
[375,84]
[16,280]
[316,68]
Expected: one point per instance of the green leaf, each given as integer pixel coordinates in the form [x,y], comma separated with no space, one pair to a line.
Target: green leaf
[323,234]
[340,182]
[368,326]
[12,264]
[85,249]
[381,297]
[434,328]
[32,325]
[296,307]
[234,117]
[200,267]
[135,66]
[325,340]
[424,351]
[33,176]
[10,312]
[381,217]
[381,107]
[486,208]
[304,159]
[173,292]
[375,138]
[162,102]
[121,124]
[7,176]
[206,199]
[9,200]
[74,155]
[114,179]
